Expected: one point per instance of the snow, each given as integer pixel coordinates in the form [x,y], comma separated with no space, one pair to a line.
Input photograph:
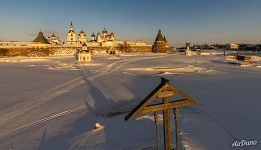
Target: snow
[168,70]
[55,103]
[21,59]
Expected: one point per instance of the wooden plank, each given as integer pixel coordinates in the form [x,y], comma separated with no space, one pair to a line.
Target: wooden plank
[176,127]
[166,124]
[163,90]
[165,106]
[156,129]
[180,93]
[148,99]
[165,94]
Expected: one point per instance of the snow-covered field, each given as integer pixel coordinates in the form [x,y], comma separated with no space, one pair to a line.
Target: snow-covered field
[54,103]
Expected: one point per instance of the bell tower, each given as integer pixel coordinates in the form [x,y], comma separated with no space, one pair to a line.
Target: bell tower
[71,35]
[161,44]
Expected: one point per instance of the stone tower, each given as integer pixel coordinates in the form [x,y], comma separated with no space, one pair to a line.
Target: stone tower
[160,45]
[41,39]
[71,36]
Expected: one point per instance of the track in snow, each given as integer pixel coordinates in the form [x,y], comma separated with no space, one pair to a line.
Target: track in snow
[25,127]
[11,114]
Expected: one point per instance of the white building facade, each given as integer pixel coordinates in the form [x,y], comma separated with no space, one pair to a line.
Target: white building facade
[84,55]
[82,37]
[71,36]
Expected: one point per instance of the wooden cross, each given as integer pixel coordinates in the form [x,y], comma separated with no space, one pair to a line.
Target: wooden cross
[164,91]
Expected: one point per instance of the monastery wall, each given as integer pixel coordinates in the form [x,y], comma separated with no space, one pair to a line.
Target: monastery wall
[22,51]
[53,51]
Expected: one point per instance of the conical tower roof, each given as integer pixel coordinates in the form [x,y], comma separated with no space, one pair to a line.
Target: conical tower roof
[165,39]
[41,39]
[159,36]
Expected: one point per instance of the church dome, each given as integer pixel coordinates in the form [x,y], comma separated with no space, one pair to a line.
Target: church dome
[82,32]
[104,31]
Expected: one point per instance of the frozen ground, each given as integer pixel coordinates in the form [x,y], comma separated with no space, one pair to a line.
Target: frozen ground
[54,104]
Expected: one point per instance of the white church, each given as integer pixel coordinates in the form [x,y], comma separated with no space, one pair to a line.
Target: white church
[103,38]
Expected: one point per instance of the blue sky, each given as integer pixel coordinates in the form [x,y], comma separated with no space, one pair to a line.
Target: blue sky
[195,21]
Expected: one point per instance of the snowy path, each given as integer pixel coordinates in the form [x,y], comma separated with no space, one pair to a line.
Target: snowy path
[10,119]
[26,106]
[26,127]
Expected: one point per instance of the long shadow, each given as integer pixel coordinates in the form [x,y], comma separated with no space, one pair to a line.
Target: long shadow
[104,112]
[83,124]
[100,100]
[97,95]
[80,126]
[41,145]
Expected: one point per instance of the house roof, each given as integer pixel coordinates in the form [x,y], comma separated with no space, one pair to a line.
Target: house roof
[84,44]
[84,51]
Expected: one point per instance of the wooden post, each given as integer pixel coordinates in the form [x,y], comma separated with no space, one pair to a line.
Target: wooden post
[176,127]
[156,128]
[166,123]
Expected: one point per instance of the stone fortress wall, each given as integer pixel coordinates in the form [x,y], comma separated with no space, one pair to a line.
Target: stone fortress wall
[55,51]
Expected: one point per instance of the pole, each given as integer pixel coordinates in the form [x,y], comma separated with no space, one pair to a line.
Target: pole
[166,123]
[156,128]
[176,127]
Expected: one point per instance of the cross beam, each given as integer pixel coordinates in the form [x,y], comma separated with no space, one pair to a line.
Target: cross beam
[163,91]
[169,105]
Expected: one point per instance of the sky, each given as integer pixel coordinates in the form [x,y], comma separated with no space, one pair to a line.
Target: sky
[181,21]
